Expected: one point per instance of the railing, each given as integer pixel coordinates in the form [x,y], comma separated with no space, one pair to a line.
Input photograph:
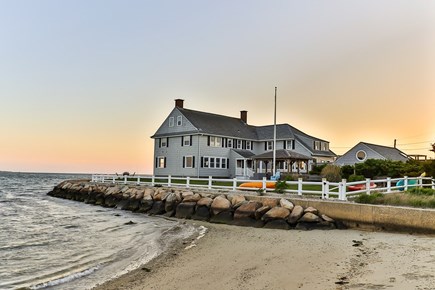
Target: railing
[324,189]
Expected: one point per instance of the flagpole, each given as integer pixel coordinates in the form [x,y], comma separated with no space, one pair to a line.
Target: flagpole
[274,138]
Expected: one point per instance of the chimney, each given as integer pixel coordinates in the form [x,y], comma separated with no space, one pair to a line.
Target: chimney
[244,116]
[179,103]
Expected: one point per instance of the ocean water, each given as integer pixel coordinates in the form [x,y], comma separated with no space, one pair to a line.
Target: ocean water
[51,243]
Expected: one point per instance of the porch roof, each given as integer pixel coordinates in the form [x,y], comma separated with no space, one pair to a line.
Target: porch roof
[244,153]
[282,154]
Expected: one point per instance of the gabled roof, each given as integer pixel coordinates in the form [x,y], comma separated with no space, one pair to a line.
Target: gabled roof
[219,125]
[283,131]
[387,152]
[244,153]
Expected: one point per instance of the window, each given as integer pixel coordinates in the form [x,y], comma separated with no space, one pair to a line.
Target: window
[171,121]
[290,144]
[316,145]
[215,141]
[179,120]
[164,142]
[161,162]
[230,143]
[269,145]
[239,144]
[186,141]
[214,162]
[361,155]
[248,145]
[325,146]
[188,162]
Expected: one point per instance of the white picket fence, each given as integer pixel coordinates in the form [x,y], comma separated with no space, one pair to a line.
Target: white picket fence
[324,189]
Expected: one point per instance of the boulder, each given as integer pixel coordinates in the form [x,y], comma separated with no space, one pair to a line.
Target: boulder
[220,204]
[286,204]
[157,208]
[171,202]
[139,194]
[311,209]
[185,210]
[205,201]
[261,211]
[327,218]
[223,217]
[149,191]
[237,200]
[276,213]
[202,212]
[310,218]
[192,198]
[247,210]
[186,193]
[146,203]
[315,226]
[160,194]
[277,224]
[296,214]
[270,202]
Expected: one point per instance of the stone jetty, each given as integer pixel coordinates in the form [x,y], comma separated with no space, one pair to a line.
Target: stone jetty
[184,203]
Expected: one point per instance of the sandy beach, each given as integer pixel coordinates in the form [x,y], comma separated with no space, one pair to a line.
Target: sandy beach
[230,257]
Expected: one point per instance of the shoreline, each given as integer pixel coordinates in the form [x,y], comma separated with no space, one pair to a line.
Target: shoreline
[232,257]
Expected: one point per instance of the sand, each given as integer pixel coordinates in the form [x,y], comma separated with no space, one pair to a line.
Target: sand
[231,257]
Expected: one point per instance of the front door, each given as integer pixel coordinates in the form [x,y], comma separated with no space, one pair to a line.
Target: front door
[240,167]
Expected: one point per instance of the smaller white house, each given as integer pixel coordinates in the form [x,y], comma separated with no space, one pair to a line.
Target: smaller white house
[363,151]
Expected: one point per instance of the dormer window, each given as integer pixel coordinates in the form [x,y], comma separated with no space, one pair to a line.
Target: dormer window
[316,145]
[179,120]
[171,121]
[325,146]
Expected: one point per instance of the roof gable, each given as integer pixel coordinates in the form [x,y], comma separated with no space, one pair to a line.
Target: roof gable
[390,153]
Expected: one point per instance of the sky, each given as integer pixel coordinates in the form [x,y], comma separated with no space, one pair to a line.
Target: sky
[84,84]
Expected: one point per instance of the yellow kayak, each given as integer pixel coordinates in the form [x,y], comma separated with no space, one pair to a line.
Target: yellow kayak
[257,184]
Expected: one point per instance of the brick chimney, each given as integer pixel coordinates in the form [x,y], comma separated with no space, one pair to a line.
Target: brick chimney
[179,103]
[244,116]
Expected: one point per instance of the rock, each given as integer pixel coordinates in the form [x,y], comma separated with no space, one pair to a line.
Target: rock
[171,202]
[202,213]
[205,201]
[192,198]
[185,210]
[296,214]
[286,204]
[223,217]
[220,204]
[315,226]
[160,194]
[310,218]
[247,210]
[237,200]
[130,223]
[157,208]
[277,224]
[149,191]
[276,213]
[311,209]
[261,211]
[327,218]
[270,202]
[186,193]
[139,194]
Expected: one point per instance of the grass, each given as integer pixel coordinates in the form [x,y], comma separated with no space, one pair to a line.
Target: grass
[415,197]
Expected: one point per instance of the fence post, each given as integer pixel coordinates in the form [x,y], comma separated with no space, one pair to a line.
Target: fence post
[324,188]
[102,179]
[187,181]
[264,184]
[343,189]
[388,184]
[125,179]
[234,184]
[433,183]
[327,190]
[153,180]
[368,186]
[405,183]
[300,186]
[138,180]
[169,181]
[209,182]
[113,179]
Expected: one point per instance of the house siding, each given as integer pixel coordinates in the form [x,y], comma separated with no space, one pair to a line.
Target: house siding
[186,126]
[349,158]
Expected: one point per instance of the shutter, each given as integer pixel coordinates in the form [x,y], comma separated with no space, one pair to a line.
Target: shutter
[184,161]
[157,162]
[190,140]
[285,144]
[293,144]
[244,144]
[234,143]
[167,142]
[265,145]
[202,162]
[160,142]
[182,141]
[223,142]
[164,162]
[228,163]
[226,142]
[208,140]
[193,162]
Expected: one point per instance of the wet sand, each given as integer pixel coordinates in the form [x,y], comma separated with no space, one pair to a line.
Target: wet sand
[231,257]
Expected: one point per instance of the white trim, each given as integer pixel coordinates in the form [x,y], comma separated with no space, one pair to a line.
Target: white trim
[361,151]
[171,121]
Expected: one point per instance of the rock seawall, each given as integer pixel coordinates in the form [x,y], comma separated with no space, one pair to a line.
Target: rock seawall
[187,203]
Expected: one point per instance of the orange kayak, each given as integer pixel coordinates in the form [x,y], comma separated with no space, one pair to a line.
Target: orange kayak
[257,184]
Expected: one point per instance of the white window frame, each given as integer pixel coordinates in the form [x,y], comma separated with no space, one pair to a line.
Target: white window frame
[213,162]
[189,157]
[290,143]
[179,120]
[230,143]
[325,146]
[359,159]
[317,145]
[186,141]
[269,145]
[161,162]
[215,141]
[248,145]
[239,144]
[164,142]
[171,121]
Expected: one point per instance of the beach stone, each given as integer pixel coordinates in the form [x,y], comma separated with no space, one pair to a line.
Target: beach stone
[205,201]
[220,204]
[157,208]
[110,201]
[327,218]
[296,214]
[171,202]
[124,188]
[100,199]
[132,205]
[277,224]
[192,198]
[310,218]
[223,217]
[160,194]
[286,204]
[237,200]
[149,191]
[202,212]
[247,210]
[270,202]
[146,204]
[315,226]
[186,193]
[185,210]
[139,194]
[276,213]
[311,209]
[261,211]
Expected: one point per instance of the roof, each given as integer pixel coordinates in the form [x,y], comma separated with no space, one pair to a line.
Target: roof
[244,153]
[387,152]
[282,154]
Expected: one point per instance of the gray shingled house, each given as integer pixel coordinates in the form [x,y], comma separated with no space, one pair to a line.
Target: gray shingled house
[363,151]
[200,144]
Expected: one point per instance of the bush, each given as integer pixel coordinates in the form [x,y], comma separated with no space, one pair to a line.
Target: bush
[347,170]
[317,169]
[375,198]
[281,186]
[331,173]
[421,191]
[355,177]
